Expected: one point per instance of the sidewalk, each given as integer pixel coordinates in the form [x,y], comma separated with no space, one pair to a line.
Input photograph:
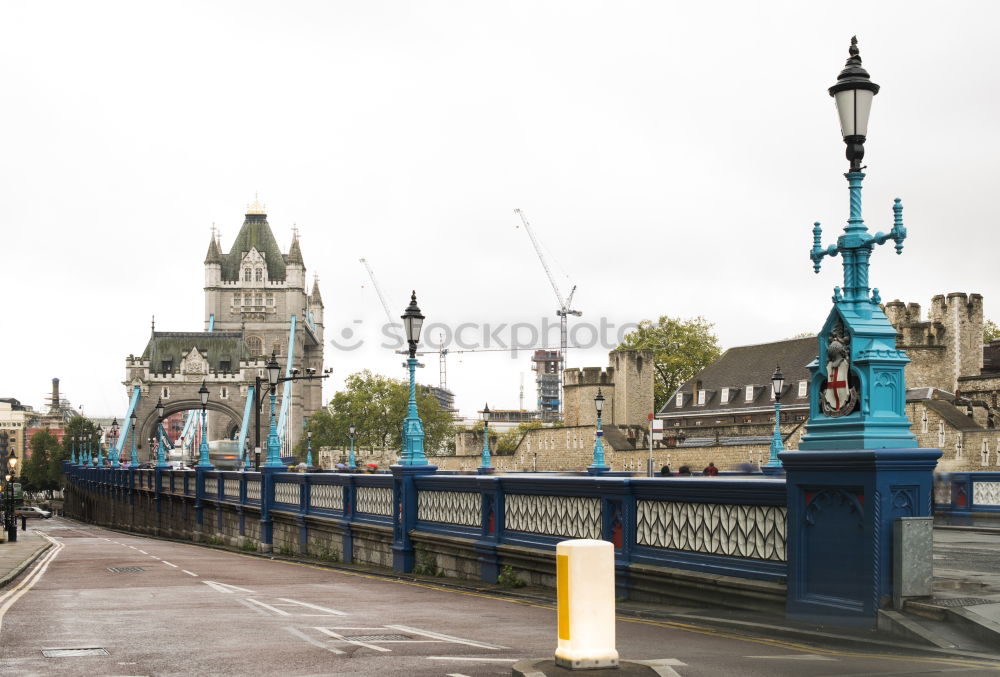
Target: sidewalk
[16,557]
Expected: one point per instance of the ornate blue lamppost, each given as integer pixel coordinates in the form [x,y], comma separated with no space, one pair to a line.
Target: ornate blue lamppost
[309,448]
[89,447]
[113,435]
[100,459]
[598,465]
[484,466]
[773,465]
[351,430]
[273,441]
[203,460]
[134,459]
[413,427]
[72,450]
[161,460]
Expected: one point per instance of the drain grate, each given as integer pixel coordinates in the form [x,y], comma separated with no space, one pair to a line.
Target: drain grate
[377,638]
[963,601]
[72,653]
[124,570]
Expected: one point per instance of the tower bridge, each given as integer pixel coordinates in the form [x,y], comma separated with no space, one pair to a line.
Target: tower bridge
[256,304]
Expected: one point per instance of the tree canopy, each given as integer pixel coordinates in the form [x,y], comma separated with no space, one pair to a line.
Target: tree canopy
[990,331]
[681,347]
[42,469]
[376,404]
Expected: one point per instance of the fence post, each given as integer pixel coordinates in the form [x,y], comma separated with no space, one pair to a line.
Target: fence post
[347,546]
[266,503]
[404,518]
[491,505]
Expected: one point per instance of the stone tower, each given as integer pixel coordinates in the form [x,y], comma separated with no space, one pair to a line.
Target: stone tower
[257,290]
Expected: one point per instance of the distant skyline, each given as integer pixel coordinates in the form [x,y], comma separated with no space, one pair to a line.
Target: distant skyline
[670,157]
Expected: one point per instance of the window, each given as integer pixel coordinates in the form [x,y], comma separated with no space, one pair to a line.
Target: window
[225,365]
[679,400]
[958,445]
[701,397]
[237,299]
[985,453]
[246,274]
[167,366]
[259,275]
[258,300]
[724,396]
[748,396]
[803,388]
[165,393]
[941,434]
[270,299]
[224,392]
[923,422]
[255,346]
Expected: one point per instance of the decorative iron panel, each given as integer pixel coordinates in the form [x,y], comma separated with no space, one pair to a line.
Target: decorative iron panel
[329,496]
[569,516]
[942,492]
[752,531]
[253,490]
[231,488]
[986,493]
[375,500]
[212,486]
[286,492]
[453,507]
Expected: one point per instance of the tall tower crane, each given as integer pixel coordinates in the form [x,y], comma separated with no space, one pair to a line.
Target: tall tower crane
[563,311]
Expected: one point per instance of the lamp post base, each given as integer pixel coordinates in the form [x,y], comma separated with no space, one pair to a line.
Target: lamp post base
[773,468]
[598,469]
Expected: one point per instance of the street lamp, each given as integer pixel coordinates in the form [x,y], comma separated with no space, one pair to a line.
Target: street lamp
[598,466]
[10,475]
[351,430]
[203,461]
[773,465]
[114,442]
[853,94]
[100,433]
[72,449]
[413,427]
[134,460]
[484,466]
[309,448]
[161,460]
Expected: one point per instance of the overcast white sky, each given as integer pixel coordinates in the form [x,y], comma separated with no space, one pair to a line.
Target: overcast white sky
[671,157]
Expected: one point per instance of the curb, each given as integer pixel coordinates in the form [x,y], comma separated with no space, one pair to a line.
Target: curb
[750,628]
[16,571]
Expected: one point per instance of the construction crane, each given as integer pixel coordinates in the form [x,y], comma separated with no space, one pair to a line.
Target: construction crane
[565,306]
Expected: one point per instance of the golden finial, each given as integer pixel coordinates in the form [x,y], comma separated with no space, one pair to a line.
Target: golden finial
[256,207]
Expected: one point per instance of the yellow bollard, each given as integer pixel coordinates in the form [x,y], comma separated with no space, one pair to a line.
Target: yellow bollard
[585,591]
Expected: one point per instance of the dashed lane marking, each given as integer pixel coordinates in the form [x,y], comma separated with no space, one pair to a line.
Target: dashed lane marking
[169,564]
[799,657]
[144,552]
[373,647]
[473,659]
[445,638]
[455,674]
[313,606]
[189,573]
[315,642]
[226,588]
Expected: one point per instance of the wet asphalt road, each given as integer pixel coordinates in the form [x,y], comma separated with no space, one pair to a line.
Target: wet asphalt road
[176,609]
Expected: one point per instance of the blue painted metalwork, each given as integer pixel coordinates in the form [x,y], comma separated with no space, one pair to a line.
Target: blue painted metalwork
[286,393]
[161,457]
[598,465]
[132,404]
[351,463]
[309,453]
[773,465]
[967,495]
[100,459]
[135,455]
[72,451]
[413,427]
[203,460]
[878,420]
[273,442]
[211,322]
[484,462]
[245,427]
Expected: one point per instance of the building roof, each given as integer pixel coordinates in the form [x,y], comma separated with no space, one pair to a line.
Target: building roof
[295,252]
[255,233]
[745,366]
[216,346]
[315,295]
[214,254]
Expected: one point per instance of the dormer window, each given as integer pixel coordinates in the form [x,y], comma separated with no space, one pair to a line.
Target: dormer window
[246,274]
[748,394]
[701,397]
[803,388]
[259,275]
[679,401]
[724,396]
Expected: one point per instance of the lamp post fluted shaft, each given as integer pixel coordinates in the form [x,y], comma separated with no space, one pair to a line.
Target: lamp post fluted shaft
[413,427]
[134,458]
[599,445]
[273,441]
[309,451]
[351,461]
[203,460]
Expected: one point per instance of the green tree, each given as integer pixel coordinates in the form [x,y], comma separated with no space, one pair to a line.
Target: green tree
[80,427]
[507,442]
[376,404]
[990,331]
[680,349]
[35,474]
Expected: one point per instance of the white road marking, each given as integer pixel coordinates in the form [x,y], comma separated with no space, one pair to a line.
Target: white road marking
[473,659]
[144,552]
[314,642]
[29,581]
[656,662]
[168,563]
[226,588]
[445,638]
[255,609]
[268,606]
[455,674]
[314,606]
[189,573]
[799,657]
[133,547]
[328,631]
[154,557]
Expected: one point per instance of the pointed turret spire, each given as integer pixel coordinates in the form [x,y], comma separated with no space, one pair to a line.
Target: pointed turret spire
[315,297]
[294,251]
[214,254]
